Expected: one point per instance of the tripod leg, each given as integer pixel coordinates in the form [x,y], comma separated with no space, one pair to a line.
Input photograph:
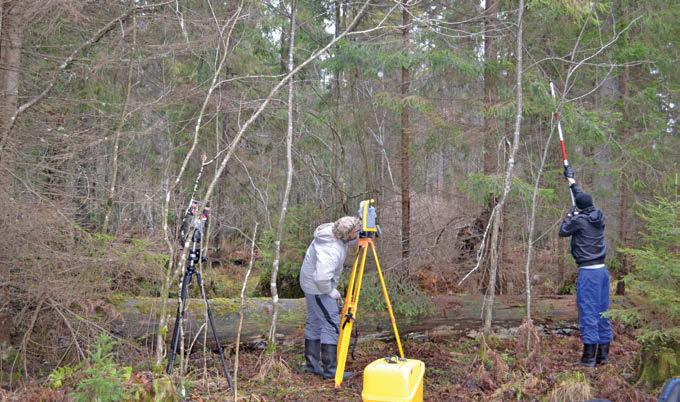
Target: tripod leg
[350,309]
[350,284]
[184,292]
[212,328]
[387,301]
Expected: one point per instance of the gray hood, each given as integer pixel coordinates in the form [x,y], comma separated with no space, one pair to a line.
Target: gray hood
[324,233]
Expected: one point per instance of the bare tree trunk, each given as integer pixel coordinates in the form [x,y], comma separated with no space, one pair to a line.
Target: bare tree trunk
[243,300]
[405,142]
[11,35]
[289,180]
[490,159]
[532,221]
[624,196]
[119,128]
[490,150]
[491,290]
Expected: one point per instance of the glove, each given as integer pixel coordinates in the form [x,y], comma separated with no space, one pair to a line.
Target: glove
[334,294]
[568,172]
[573,212]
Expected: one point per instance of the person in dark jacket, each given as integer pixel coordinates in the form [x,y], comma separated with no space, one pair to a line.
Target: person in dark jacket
[585,224]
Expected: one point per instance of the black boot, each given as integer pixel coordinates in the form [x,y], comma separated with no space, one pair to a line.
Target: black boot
[588,358]
[313,356]
[602,353]
[329,356]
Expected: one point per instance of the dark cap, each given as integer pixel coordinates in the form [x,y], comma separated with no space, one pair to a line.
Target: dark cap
[583,200]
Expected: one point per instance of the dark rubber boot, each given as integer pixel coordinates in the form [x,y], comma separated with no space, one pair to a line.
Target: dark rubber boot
[602,356]
[313,356]
[329,356]
[588,358]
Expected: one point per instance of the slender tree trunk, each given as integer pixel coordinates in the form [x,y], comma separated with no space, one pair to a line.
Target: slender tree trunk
[11,36]
[241,310]
[532,220]
[289,180]
[491,290]
[490,159]
[405,142]
[490,144]
[119,128]
[624,196]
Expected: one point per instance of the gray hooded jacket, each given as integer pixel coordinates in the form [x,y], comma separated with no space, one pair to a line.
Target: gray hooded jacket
[322,266]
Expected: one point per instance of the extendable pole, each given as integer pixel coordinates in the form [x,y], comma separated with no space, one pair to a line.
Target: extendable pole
[559,130]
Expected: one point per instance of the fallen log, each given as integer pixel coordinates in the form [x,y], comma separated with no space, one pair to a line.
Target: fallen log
[139,316]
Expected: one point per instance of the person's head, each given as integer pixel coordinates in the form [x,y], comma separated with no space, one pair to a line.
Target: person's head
[583,201]
[346,228]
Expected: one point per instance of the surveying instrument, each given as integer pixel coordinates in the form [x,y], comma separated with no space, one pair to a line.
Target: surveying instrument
[369,230]
[194,225]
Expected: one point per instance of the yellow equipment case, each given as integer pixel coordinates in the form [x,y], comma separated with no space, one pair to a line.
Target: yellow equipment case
[394,379]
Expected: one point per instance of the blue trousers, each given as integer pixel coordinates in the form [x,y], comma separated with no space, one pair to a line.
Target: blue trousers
[323,319]
[592,299]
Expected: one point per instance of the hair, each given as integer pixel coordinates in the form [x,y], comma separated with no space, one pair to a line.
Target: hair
[343,227]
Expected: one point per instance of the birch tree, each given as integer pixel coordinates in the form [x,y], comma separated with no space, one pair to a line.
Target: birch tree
[496,214]
[289,179]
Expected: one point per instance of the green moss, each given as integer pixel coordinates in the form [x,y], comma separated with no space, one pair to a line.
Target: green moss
[659,364]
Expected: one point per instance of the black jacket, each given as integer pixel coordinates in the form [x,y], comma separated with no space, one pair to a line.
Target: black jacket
[587,234]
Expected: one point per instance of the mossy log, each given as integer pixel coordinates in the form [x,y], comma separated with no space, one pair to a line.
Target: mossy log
[139,316]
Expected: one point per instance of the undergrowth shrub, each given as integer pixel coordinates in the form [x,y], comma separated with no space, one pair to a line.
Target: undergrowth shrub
[99,378]
[653,287]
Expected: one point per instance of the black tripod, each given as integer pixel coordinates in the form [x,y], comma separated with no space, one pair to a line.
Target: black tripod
[197,224]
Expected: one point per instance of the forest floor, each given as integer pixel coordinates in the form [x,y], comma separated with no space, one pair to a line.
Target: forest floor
[455,371]
[460,366]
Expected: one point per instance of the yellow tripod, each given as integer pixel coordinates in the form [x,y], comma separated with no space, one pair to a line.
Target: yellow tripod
[349,310]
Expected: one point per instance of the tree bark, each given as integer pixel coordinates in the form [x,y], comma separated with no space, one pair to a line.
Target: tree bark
[624,196]
[405,142]
[490,159]
[11,37]
[119,128]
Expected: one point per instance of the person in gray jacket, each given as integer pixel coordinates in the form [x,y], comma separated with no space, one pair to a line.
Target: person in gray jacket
[319,278]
